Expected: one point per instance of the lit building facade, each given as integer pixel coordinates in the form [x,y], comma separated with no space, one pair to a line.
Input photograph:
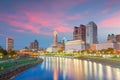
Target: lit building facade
[49,49]
[9,44]
[92,46]
[91,34]
[74,45]
[107,45]
[61,47]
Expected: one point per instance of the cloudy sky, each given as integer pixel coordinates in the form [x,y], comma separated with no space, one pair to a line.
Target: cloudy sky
[27,20]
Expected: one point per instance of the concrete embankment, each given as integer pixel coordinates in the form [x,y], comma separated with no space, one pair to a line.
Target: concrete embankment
[12,72]
[104,61]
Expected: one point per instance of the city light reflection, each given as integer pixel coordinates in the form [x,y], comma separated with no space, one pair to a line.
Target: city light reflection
[79,69]
[59,68]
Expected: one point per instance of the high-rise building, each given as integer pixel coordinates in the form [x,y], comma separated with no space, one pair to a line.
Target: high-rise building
[34,45]
[9,44]
[76,33]
[55,38]
[91,34]
[83,33]
[80,33]
[31,46]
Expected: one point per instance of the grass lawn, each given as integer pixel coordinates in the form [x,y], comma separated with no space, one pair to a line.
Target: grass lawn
[60,54]
[18,62]
[100,57]
[115,58]
[80,56]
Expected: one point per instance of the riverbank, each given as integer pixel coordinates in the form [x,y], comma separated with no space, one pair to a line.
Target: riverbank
[104,61]
[111,61]
[8,73]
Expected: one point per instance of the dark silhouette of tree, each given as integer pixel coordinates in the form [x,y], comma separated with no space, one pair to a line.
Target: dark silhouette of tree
[3,51]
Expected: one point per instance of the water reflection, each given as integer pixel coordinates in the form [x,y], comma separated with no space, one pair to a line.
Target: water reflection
[56,68]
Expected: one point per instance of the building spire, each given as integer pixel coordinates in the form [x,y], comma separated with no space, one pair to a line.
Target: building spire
[55,34]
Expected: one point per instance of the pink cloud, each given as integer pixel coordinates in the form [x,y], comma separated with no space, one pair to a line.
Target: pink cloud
[19,21]
[63,29]
[24,26]
[111,21]
[27,21]
[41,32]
[46,33]
[49,21]
[45,19]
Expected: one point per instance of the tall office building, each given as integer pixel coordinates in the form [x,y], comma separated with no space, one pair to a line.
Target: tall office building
[91,34]
[9,44]
[76,33]
[80,33]
[34,45]
[55,41]
[31,46]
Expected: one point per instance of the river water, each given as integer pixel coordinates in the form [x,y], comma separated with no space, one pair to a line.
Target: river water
[57,68]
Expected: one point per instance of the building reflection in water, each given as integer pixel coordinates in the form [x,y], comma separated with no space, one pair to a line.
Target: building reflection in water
[74,69]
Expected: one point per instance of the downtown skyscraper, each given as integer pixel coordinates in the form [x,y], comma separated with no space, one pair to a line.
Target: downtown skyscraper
[91,34]
[9,44]
[80,33]
[34,45]
[55,41]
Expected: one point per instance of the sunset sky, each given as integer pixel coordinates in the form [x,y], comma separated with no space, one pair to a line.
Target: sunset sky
[27,20]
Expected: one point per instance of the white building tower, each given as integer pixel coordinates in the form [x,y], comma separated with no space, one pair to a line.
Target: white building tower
[55,41]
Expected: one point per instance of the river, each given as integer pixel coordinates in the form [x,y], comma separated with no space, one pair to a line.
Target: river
[58,68]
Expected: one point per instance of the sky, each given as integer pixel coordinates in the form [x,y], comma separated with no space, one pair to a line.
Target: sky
[27,20]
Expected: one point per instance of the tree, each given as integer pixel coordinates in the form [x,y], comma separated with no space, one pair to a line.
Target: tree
[12,53]
[110,51]
[1,55]
[84,51]
[3,51]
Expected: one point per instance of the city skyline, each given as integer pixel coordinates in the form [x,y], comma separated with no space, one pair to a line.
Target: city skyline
[25,23]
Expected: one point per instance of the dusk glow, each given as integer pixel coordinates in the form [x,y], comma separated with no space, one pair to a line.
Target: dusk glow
[27,20]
